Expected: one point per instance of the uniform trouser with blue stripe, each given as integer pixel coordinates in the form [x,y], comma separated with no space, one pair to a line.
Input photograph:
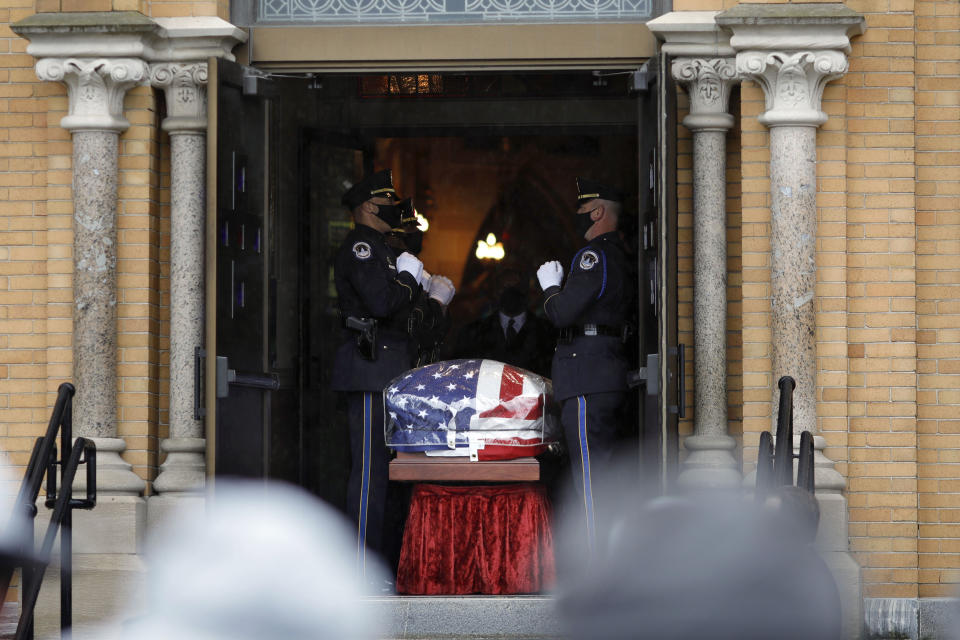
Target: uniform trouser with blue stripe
[367,488]
[590,428]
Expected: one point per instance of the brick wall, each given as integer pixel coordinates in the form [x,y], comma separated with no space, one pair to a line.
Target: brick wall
[881,300]
[888,290]
[36,245]
[152,8]
[938,294]
[25,331]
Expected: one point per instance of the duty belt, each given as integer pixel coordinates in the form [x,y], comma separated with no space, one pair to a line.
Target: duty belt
[567,334]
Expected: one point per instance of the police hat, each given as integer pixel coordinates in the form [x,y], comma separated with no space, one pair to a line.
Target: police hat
[589,189]
[375,185]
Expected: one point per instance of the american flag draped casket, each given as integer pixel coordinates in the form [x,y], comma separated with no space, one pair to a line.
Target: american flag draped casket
[484,409]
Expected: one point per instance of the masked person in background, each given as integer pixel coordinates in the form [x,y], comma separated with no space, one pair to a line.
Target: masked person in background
[428,322]
[511,334]
[589,367]
[376,291]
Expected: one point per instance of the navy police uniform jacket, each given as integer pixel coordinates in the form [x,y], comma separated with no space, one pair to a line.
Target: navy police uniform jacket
[599,290]
[369,286]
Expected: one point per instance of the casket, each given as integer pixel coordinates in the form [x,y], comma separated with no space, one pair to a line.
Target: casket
[481,409]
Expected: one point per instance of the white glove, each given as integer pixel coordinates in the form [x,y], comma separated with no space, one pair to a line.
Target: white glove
[425,280]
[550,274]
[441,289]
[411,264]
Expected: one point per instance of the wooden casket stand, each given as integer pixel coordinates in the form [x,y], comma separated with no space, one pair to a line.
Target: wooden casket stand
[419,467]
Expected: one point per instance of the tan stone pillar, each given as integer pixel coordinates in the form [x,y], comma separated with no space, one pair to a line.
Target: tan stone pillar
[706,68]
[99,61]
[792,52]
[710,462]
[179,68]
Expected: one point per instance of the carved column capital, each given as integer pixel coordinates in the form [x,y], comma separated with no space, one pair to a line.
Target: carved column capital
[792,82]
[708,82]
[185,87]
[96,88]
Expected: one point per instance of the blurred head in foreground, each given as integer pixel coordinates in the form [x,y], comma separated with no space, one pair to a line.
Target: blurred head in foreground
[266,562]
[718,567]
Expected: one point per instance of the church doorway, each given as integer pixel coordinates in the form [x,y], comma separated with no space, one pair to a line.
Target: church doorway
[486,156]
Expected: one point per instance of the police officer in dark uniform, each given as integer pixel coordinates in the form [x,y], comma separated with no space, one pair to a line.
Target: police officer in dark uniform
[376,289]
[428,322]
[591,310]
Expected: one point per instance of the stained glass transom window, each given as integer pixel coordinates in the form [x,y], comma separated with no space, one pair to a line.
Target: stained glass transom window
[458,11]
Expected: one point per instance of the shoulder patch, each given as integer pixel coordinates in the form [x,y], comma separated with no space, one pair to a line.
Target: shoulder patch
[362,250]
[589,259]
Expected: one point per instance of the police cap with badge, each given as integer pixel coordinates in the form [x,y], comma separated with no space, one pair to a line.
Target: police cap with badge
[375,185]
[591,189]
[588,190]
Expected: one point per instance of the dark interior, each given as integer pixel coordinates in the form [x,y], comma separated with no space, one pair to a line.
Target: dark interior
[479,153]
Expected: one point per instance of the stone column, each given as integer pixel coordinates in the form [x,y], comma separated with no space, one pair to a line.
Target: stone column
[792,52]
[106,566]
[710,462]
[178,66]
[185,89]
[100,55]
[96,89]
[793,83]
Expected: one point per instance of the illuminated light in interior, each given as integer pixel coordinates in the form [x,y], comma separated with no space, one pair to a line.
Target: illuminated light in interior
[422,223]
[490,248]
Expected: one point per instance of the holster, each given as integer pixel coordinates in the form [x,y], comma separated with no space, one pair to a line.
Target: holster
[366,329]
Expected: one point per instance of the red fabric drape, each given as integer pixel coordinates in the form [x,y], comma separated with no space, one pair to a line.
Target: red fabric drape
[477,539]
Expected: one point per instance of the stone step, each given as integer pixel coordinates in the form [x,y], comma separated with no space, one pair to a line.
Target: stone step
[440,617]
[473,617]
[9,616]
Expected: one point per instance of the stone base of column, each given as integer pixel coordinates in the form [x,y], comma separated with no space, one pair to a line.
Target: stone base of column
[170,507]
[180,485]
[833,541]
[107,588]
[115,476]
[846,573]
[912,618]
[108,570]
[185,469]
[710,463]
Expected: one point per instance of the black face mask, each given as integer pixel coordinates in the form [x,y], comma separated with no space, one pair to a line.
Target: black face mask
[389,213]
[413,241]
[583,222]
[395,240]
[512,301]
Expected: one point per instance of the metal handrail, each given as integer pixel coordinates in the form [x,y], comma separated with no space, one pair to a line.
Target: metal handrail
[783,456]
[775,464]
[43,461]
[805,462]
[764,465]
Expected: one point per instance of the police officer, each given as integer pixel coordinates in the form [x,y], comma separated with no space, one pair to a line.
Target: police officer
[591,310]
[428,321]
[376,289]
